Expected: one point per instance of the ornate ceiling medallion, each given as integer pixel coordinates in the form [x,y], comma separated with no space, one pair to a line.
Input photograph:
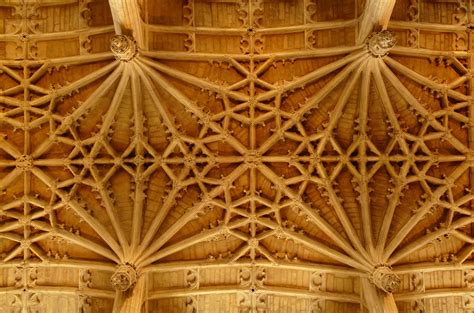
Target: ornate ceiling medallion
[123,47]
[379,44]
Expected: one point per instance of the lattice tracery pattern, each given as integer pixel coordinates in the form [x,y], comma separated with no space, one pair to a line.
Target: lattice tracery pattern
[333,163]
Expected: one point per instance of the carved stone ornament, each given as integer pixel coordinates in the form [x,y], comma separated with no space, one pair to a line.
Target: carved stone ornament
[385,279]
[379,44]
[25,162]
[124,278]
[123,47]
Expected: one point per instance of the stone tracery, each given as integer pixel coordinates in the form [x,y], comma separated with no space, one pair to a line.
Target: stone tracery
[285,164]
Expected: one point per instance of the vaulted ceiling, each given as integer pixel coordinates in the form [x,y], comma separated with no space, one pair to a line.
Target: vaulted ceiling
[236,156]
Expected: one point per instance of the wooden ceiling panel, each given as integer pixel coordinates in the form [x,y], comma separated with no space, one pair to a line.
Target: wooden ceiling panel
[96,13]
[325,10]
[222,14]
[282,13]
[32,30]
[452,12]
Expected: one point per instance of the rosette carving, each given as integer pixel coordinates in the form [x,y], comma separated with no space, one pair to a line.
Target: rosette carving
[379,44]
[124,278]
[385,279]
[123,47]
